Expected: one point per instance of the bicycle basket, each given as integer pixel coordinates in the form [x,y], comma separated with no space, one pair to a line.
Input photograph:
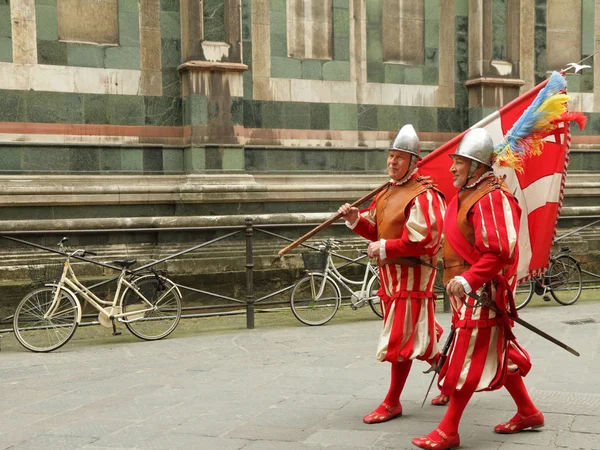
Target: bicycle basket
[45,273]
[315,261]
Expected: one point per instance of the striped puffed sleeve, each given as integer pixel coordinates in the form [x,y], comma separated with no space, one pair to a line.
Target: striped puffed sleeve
[495,219]
[422,234]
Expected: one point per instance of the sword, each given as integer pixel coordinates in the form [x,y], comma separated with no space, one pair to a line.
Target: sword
[435,367]
[488,304]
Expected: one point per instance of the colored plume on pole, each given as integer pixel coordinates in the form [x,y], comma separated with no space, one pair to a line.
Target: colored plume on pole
[541,119]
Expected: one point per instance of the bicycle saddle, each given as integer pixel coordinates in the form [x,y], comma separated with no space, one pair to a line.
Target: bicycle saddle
[124,262]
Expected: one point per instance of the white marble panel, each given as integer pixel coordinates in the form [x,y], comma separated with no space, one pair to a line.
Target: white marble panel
[310,90]
[342,91]
[52,78]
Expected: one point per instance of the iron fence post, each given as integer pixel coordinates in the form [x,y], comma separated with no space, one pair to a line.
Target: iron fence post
[249,275]
[446,302]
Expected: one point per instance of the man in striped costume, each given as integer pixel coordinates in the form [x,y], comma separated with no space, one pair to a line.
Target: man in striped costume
[481,255]
[404,223]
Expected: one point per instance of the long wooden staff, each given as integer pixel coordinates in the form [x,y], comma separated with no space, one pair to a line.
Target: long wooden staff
[328,222]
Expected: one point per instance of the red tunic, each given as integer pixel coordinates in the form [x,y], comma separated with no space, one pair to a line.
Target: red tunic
[409,328]
[483,349]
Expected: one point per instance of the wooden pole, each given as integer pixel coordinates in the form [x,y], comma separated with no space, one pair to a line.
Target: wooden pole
[328,222]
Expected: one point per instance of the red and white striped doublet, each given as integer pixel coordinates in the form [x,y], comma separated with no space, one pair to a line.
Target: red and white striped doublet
[409,327]
[481,354]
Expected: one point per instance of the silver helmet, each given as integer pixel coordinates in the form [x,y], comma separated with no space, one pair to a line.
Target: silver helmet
[476,145]
[407,141]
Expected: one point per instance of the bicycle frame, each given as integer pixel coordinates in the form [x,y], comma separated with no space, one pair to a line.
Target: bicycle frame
[332,272]
[69,283]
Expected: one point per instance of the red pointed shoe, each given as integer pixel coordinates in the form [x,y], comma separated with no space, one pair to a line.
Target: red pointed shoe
[437,440]
[440,400]
[389,414]
[520,423]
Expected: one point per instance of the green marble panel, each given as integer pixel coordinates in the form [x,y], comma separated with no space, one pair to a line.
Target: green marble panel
[588,17]
[375,72]
[312,160]
[278,22]
[5,21]
[214,20]
[84,159]
[13,106]
[96,109]
[341,49]
[285,67]
[129,28]
[10,159]
[393,73]
[279,45]
[431,57]
[169,25]
[432,34]
[336,70]
[272,114]
[252,114]
[132,159]
[374,45]
[461,8]
[171,83]
[296,115]
[387,117]
[452,120]
[170,52]
[367,117]
[126,109]
[164,111]
[348,161]
[109,159]
[431,10]
[85,55]
[427,118]
[278,5]
[345,4]
[248,85]
[166,5]
[343,116]
[152,160]
[54,107]
[122,58]
[233,159]
[312,69]
[52,53]
[341,23]
[430,76]
[39,2]
[46,18]
[413,75]
[573,82]
[173,160]
[499,17]
[5,49]
[129,6]
[237,110]
[374,13]
[196,110]
[255,160]
[319,116]
[281,160]
[46,159]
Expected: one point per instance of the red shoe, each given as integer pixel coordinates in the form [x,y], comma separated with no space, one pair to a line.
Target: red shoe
[389,414]
[437,440]
[520,423]
[440,400]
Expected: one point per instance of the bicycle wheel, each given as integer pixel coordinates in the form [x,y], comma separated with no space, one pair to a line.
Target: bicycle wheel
[524,293]
[164,297]
[38,329]
[374,300]
[310,310]
[564,278]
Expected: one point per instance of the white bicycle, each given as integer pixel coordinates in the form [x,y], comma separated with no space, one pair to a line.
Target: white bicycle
[317,297]
[149,305]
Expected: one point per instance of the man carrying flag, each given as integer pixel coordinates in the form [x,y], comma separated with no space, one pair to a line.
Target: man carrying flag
[481,257]
[404,223]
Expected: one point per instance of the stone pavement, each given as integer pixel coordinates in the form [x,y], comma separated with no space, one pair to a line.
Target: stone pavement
[280,388]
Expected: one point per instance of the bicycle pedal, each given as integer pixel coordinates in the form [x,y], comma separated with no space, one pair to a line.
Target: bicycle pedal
[354,307]
[117,333]
[546,298]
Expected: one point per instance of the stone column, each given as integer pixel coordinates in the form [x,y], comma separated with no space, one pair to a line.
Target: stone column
[492,83]
[212,84]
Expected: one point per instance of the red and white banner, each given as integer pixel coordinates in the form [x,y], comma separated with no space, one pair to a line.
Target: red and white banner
[539,189]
